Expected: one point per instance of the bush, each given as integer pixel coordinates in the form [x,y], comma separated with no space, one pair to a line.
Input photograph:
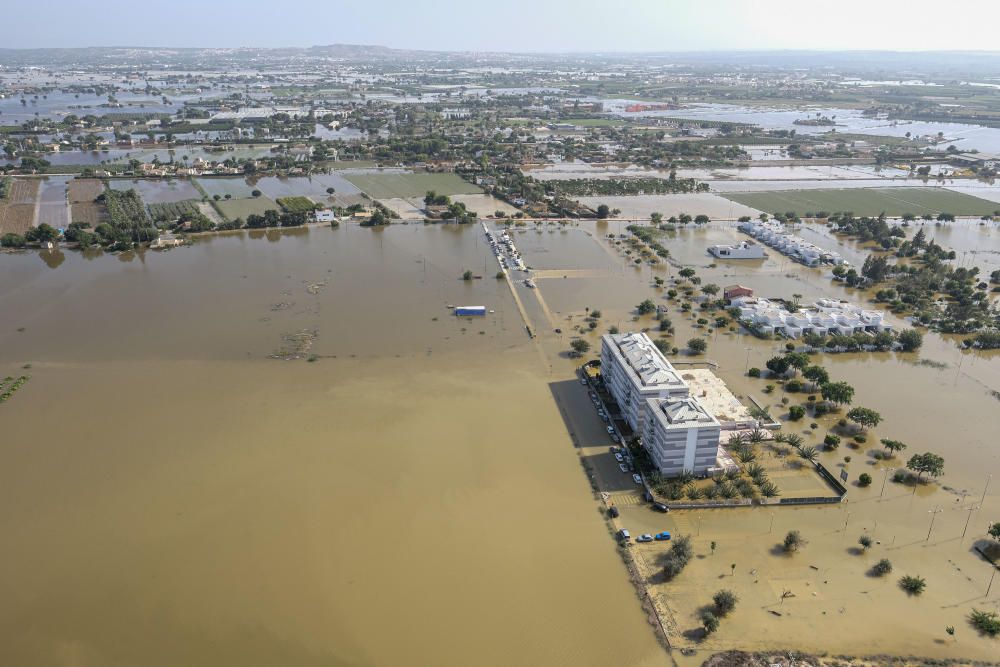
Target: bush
[864,479]
[831,441]
[793,386]
[697,345]
[678,557]
[725,601]
[912,584]
[709,621]
[793,540]
[882,568]
[865,541]
[987,622]
[796,412]
[754,372]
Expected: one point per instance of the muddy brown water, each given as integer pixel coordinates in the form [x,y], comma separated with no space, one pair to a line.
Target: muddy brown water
[170,494]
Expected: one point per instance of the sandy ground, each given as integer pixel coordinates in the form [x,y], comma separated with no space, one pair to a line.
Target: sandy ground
[641,206]
[406,209]
[484,205]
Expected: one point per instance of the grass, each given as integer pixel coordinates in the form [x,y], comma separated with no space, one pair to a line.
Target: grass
[173,210]
[866,201]
[388,186]
[296,204]
[595,122]
[241,208]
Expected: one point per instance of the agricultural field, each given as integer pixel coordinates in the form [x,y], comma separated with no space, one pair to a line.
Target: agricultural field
[88,212]
[84,190]
[296,204]
[173,210]
[402,185]
[867,201]
[241,208]
[17,210]
[236,188]
[23,191]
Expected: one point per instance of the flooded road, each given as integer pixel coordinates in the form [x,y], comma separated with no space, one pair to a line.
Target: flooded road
[170,494]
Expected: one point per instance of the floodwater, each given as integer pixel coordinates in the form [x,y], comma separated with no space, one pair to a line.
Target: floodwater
[173,495]
[53,207]
[170,495]
[158,191]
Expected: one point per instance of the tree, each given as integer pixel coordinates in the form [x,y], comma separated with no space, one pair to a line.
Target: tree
[710,289]
[987,622]
[865,541]
[580,347]
[913,584]
[910,340]
[864,479]
[678,557]
[808,453]
[646,307]
[256,193]
[778,365]
[840,393]
[864,417]
[697,345]
[603,211]
[11,240]
[725,601]
[793,540]
[796,412]
[686,272]
[892,446]
[817,374]
[994,531]
[709,621]
[467,275]
[929,463]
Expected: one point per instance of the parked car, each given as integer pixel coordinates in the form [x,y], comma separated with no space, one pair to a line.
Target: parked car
[660,507]
[613,449]
[637,479]
[614,438]
[583,381]
[645,537]
[613,512]
[623,535]
[623,467]
[619,458]
[660,537]
[611,429]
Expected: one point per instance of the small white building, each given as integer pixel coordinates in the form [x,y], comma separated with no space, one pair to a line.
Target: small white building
[681,435]
[742,250]
[324,215]
[824,317]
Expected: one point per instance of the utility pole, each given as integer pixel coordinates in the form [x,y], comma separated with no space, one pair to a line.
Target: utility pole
[934,512]
[991,582]
[884,480]
[971,509]
[846,520]
[986,488]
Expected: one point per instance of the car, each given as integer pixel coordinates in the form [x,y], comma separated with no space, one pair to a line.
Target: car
[623,467]
[614,438]
[636,479]
[619,457]
[610,429]
[623,535]
[605,418]
[583,381]
[660,537]
[601,412]
[613,512]
[645,537]
[613,449]
[660,507]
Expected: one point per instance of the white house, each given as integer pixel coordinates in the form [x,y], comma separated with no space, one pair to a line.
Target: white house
[742,250]
[776,235]
[824,317]
[325,215]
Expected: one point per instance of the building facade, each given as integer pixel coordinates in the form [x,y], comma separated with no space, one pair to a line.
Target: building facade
[635,370]
[680,435]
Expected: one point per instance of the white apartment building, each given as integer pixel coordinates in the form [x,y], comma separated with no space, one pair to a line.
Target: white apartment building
[824,317]
[634,370]
[776,235]
[681,435]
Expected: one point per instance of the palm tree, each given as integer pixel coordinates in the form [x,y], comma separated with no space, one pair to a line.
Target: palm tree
[769,490]
[757,435]
[808,453]
[795,440]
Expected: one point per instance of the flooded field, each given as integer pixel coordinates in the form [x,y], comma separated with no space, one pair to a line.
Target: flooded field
[868,201]
[249,510]
[158,191]
[641,206]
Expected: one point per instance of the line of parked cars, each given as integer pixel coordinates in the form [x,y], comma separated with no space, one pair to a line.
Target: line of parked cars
[625,536]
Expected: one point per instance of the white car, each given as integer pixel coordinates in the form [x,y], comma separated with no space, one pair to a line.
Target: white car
[637,479]
[619,458]
[610,429]
[583,381]
[622,467]
[614,438]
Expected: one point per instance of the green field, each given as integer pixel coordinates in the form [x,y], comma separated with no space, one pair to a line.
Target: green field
[241,208]
[389,185]
[866,201]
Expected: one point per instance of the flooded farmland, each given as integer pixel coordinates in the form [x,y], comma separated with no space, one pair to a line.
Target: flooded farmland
[409,489]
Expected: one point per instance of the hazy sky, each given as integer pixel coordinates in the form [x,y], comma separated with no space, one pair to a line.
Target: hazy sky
[510,25]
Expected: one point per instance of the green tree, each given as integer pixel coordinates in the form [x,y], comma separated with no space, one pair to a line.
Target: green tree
[864,417]
[865,541]
[646,307]
[817,374]
[994,531]
[725,601]
[697,345]
[910,340]
[580,347]
[778,365]
[709,621]
[928,463]
[840,393]
[11,240]
[603,211]
[892,446]
[467,275]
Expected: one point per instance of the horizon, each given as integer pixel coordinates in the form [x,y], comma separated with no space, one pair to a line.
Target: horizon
[520,26]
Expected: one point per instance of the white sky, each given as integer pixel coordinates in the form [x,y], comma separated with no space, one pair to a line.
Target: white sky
[512,25]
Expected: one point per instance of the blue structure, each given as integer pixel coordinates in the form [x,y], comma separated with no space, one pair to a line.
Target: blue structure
[479,311]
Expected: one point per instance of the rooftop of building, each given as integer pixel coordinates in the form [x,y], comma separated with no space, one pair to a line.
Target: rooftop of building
[683,411]
[645,360]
